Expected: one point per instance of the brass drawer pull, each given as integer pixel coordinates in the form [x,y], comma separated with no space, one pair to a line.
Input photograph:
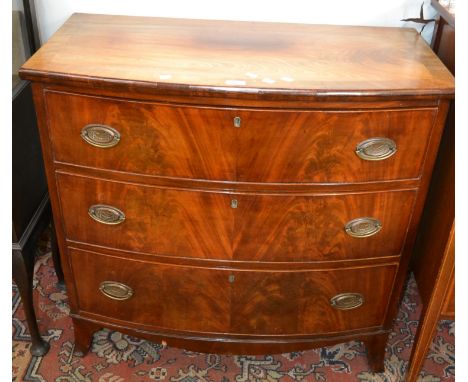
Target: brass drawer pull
[363,227]
[376,149]
[346,301]
[100,135]
[115,290]
[106,214]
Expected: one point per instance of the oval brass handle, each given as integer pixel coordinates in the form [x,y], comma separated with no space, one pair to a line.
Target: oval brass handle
[363,227]
[115,290]
[100,135]
[106,214]
[346,301]
[376,149]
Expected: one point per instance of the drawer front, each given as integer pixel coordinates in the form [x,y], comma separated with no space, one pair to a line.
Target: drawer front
[153,139]
[238,145]
[162,221]
[320,146]
[233,227]
[322,227]
[232,301]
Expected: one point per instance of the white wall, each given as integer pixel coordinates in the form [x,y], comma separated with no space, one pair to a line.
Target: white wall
[53,13]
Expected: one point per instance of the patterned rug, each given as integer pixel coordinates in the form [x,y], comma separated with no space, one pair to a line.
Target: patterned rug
[115,357]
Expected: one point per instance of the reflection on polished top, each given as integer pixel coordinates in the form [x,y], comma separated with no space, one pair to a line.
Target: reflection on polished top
[245,56]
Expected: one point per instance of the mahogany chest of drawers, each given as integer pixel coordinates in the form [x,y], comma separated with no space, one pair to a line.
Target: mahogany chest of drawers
[235,186]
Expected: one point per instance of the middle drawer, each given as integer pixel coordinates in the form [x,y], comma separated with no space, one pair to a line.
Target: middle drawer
[242,227]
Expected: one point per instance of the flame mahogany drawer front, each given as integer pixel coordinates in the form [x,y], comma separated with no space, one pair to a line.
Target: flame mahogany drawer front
[236,144]
[232,301]
[237,187]
[212,225]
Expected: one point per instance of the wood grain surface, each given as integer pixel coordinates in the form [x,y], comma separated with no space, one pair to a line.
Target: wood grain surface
[320,146]
[269,146]
[232,301]
[155,139]
[204,225]
[207,273]
[311,227]
[241,56]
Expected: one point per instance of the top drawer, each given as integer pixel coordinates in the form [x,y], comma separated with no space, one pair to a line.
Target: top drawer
[246,145]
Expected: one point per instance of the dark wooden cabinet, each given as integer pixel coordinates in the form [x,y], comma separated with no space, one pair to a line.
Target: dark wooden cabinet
[237,187]
[31,212]
[30,202]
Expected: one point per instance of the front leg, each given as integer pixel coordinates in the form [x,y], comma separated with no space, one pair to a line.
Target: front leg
[375,346]
[84,331]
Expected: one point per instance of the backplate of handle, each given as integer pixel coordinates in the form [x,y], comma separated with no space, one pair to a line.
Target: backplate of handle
[100,135]
[106,214]
[375,149]
[346,301]
[363,227]
[115,290]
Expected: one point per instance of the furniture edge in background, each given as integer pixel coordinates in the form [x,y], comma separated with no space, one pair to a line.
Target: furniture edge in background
[433,261]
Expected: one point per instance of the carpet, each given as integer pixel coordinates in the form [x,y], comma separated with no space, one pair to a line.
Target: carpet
[115,357]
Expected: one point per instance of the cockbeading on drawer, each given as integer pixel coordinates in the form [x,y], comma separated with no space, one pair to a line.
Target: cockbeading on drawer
[308,146]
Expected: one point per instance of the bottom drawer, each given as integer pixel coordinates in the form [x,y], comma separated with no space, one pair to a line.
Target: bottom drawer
[248,302]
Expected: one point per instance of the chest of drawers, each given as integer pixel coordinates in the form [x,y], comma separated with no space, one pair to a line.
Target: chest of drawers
[237,187]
